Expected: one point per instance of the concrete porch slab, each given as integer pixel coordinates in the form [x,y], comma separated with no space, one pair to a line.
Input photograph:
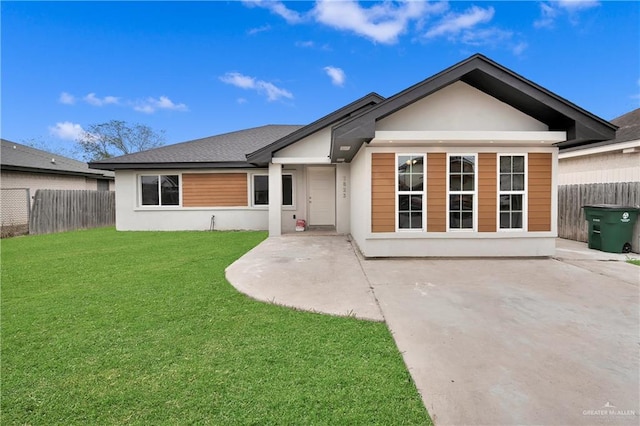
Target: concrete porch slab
[314,273]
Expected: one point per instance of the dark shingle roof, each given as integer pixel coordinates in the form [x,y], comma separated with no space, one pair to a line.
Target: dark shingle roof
[629,126]
[15,156]
[227,149]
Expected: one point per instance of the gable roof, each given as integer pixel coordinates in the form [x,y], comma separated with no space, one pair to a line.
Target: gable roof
[263,155]
[226,150]
[495,80]
[18,157]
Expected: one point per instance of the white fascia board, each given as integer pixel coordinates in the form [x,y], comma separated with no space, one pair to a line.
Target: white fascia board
[601,149]
[386,136]
[301,160]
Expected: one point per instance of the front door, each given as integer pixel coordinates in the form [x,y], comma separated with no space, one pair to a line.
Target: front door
[322,195]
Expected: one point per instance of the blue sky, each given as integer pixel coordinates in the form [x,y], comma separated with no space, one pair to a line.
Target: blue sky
[195,69]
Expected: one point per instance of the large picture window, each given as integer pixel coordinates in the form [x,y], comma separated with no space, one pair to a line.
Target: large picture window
[261,190]
[462,191]
[160,190]
[410,205]
[512,191]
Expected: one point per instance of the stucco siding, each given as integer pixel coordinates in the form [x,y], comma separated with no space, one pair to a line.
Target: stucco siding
[316,145]
[607,167]
[460,107]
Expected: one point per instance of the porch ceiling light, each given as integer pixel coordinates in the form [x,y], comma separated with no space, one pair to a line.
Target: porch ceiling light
[340,160]
[345,147]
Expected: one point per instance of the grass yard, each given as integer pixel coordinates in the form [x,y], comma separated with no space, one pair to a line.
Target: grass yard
[106,327]
[634,262]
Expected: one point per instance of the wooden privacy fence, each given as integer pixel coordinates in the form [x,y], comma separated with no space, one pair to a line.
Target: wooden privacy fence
[571,221]
[64,210]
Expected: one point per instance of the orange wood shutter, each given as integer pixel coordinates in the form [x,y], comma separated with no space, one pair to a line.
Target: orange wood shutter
[539,191]
[487,192]
[436,192]
[214,190]
[383,192]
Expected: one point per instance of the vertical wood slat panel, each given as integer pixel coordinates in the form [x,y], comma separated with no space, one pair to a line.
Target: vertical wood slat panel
[383,180]
[539,191]
[214,190]
[64,210]
[487,192]
[436,192]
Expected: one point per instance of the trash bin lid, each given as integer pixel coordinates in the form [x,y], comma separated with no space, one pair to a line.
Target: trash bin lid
[611,207]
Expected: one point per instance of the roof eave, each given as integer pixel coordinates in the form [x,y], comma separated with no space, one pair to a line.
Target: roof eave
[263,155]
[14,168]
[173,165]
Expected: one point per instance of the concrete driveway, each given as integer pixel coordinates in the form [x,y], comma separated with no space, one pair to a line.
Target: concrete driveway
[490,341]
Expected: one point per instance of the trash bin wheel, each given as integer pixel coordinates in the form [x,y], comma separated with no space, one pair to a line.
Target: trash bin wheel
[626,248]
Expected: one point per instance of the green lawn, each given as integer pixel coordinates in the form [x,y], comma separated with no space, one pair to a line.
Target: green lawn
[634,262]
[106,327]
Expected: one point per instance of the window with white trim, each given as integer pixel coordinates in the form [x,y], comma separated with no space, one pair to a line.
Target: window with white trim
[512,191]
[462,191]
[410,192]
[261,190]
[160,190]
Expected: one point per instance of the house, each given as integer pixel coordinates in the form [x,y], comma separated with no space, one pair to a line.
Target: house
[614,160]
[26,167]
[24,170]
[464,163]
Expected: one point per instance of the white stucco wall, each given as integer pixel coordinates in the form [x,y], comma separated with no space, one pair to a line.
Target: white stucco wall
[131,216]
[460,107]
[608,167]
[343,198]
[316,145]
[360,195]
[35,181]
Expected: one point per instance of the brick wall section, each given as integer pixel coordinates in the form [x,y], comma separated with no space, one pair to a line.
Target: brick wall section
[539,191]
[383,192]
[437,192]
[487,192]
[214,190]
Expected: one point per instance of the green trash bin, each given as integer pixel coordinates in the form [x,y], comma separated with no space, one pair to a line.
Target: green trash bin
[611,227]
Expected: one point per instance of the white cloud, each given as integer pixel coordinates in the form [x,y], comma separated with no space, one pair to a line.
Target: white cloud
[336,74]
[239,80]
[241,101]
[381,23]
[92,99]
[277,7]
[308,43]
[272,92]
[518,48]
[550,11]
[254,31]
[67,130]
[67,98]
[454,23]
[577,4]
[151,105]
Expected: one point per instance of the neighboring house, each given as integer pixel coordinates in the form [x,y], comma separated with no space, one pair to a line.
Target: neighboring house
[25,167]
[464,163]
[615,160]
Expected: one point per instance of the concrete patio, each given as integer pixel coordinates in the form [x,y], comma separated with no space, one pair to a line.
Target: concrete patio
[487,341]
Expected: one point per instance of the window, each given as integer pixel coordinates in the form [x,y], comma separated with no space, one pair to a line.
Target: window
[410,192]
[160,190]
[462,191]
[261,190]
[512,189]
